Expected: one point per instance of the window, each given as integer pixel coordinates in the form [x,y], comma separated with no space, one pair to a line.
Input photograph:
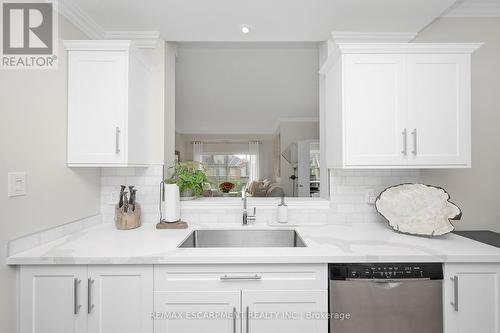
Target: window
[234,168]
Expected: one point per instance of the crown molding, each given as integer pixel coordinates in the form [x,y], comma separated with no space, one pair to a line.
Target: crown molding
[401,48]
[142,39]
[98,45]
[372,37]
[396,48]
[80,19]
[475,8]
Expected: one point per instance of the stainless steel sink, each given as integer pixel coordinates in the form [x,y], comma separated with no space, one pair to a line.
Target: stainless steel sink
[243,238]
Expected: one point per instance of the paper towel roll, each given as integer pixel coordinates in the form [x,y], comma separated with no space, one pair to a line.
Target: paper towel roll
[171,205]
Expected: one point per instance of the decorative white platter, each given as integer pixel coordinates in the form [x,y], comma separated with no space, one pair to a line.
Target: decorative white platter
[418,209]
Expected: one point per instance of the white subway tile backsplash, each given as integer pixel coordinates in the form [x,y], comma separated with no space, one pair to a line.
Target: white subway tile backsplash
[127,172]
[147,182]
[349,187]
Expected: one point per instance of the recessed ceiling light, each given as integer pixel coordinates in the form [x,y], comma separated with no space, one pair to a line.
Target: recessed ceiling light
[245,29]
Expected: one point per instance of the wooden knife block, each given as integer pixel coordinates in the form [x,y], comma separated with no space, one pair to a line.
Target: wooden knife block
[129,220]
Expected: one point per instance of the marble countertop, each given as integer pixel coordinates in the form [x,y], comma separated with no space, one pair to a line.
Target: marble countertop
[334,243]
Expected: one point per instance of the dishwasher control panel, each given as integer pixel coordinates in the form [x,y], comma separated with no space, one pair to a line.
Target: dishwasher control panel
[386,271]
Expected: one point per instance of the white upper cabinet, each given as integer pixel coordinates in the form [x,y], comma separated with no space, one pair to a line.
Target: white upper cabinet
[374,100]
[109,104]
[439,109]
[398,105]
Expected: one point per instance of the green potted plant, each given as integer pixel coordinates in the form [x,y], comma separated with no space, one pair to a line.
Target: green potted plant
[190,177]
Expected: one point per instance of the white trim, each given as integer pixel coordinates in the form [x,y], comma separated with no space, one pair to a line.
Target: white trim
[221,132]
[98,45]
[107,45]
[293,120]
[29,241]
[414,48]
[372,37]
[142,39]
[262,203]
[397,48]
[476,8]
[80,19]
[236,132]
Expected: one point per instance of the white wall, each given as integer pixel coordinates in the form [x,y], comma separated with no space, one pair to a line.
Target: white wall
[475,190]
[168,142]
[157,60]
[244,87]
[33,139]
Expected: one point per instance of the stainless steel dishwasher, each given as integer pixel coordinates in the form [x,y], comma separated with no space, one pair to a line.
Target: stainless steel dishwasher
[386,298]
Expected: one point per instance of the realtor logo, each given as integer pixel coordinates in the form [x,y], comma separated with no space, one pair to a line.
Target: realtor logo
[29,34]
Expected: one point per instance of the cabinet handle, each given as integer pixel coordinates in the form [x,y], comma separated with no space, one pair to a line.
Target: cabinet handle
[245,277]
[248,321]
[117,140]
[234,319]
[76,305]
[414,133]
[455,293]
[90,306]
[405,142]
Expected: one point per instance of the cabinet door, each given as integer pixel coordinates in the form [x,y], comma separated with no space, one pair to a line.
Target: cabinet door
[284,311]
[97,107]
[471,298]
[120,299]
[439,109]
[374,110]
[53,299]
[197,311]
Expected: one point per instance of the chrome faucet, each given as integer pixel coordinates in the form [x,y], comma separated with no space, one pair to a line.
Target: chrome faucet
[247,217]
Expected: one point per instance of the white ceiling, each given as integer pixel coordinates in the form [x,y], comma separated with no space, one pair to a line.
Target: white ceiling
[271,20]
[474,8]
[244,88]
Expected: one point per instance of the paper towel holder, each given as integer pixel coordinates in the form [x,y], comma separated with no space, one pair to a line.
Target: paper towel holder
[164,216]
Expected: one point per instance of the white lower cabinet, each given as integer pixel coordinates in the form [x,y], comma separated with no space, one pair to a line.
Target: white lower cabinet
[120,299]
[197,311]
[471,298]
[265,298]
[290,311]
[52,299]
[93,299]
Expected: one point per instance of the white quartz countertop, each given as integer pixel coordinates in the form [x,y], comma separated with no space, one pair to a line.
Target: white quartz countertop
[335,243]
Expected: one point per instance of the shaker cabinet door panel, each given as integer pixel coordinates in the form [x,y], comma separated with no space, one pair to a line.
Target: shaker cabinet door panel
[471,298]
[120,299]
[53,299]
[439,109]
[197,311]
[97,106]
[284,311]
[374,110]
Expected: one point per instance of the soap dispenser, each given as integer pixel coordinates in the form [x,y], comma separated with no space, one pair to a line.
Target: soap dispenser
[282,211]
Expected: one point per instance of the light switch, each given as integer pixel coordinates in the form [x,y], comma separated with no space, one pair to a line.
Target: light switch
[17,184]
[370,197]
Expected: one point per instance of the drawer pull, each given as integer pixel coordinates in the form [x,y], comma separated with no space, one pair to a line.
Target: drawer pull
[243,277]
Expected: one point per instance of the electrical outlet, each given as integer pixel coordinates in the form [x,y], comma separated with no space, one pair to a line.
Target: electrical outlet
[370,196]
[114,197]
[16,183]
